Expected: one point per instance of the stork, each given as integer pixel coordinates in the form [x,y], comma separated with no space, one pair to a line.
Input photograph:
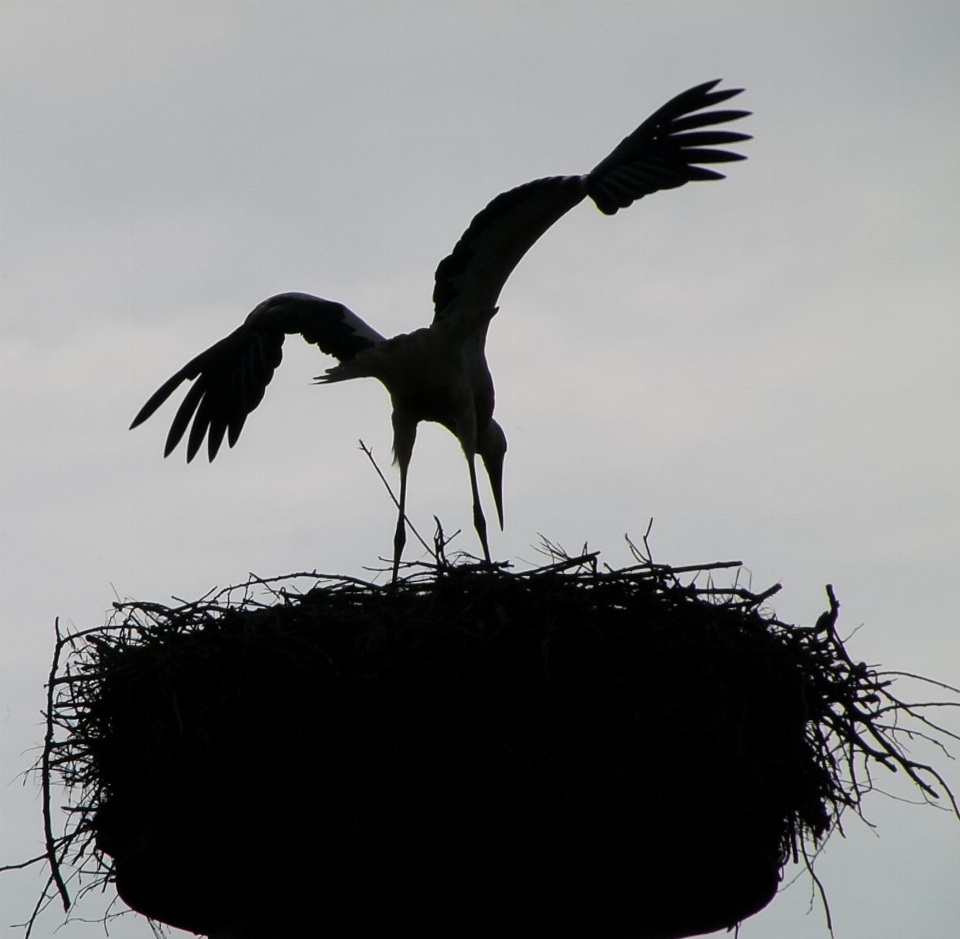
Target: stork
[440,373]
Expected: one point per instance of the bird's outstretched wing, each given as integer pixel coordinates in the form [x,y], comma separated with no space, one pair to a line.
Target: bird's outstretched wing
[662,153]
[231,376]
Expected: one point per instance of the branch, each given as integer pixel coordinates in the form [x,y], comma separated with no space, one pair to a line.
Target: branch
[51,843]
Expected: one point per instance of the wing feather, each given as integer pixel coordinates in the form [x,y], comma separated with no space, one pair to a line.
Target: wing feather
[182,419]
[665,157]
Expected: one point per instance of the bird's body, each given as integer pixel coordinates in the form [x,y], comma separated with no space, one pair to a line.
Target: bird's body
[439,373]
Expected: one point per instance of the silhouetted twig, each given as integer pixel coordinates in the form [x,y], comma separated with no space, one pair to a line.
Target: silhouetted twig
[396,501]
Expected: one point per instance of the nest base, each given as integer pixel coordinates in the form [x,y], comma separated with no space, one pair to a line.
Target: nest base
[229,880]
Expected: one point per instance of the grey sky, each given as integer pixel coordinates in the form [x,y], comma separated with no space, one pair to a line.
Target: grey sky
[767,365]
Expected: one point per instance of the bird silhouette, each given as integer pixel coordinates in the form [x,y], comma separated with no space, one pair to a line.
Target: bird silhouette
[440,373]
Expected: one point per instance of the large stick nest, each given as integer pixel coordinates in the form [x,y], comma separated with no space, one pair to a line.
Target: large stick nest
[579,731]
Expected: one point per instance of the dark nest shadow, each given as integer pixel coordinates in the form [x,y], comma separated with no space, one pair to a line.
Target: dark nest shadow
[571,751]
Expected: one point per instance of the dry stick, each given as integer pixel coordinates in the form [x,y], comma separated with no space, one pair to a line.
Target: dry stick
[396,501]
[440,542]
[819,886]
[929,681]
[51,843]
[686,569]
[23,864]
[563,565]
[753,599]
[42,902]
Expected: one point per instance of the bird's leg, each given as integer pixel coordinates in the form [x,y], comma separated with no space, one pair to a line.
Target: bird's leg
[404,437]
[479,522]
[400,537]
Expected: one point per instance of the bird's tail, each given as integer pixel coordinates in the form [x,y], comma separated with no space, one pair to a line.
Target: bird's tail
[357,367]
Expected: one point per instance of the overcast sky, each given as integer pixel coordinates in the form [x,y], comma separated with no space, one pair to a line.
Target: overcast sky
[767,365]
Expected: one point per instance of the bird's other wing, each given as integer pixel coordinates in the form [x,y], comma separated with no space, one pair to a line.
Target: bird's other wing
[470,278]
[231,376]
[661,154]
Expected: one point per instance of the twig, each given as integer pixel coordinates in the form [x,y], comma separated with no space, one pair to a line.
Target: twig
[819,886]
[23,864]
[564,565]
[929,681]
[396,501]
[51,844]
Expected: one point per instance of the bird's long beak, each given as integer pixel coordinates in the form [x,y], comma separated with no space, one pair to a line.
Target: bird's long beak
[492,448]
[495,472]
